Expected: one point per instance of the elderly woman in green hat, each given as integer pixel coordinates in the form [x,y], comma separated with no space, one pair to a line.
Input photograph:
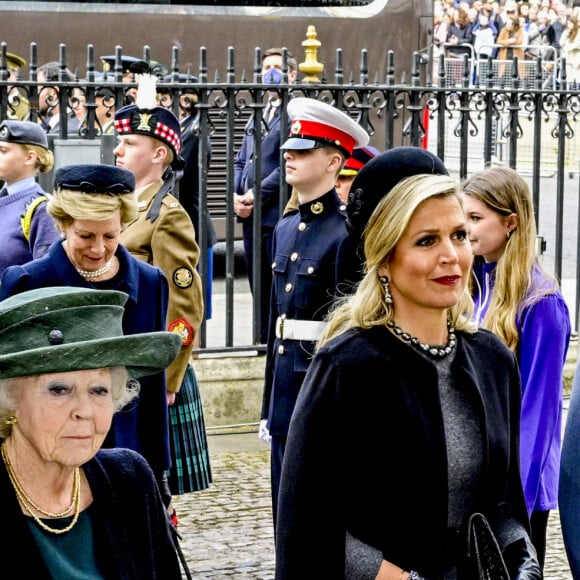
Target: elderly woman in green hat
[74,509]
[91,204]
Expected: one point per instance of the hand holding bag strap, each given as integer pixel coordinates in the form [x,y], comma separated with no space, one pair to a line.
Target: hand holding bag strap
[485,559]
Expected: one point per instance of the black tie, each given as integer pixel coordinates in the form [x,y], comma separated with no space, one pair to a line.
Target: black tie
[3,192]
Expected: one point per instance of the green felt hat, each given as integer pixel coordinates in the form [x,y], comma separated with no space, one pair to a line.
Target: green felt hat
[62,329]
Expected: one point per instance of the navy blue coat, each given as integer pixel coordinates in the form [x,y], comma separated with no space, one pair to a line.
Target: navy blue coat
[270,156]
[145,427]
[306,246]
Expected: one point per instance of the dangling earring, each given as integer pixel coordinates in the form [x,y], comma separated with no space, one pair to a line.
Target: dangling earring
[508,234]
[385,282]
[11,420]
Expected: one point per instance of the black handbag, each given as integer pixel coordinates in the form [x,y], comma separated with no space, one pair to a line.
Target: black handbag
[484,557]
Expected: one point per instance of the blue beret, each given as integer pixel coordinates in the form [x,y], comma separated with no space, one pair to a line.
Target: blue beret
[24,133]
[95,179]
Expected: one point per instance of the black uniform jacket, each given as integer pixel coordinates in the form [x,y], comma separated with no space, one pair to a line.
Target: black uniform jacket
[366,452]
[130,528]
[305,270]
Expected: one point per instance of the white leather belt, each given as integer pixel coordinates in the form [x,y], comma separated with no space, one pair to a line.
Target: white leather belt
[288,329]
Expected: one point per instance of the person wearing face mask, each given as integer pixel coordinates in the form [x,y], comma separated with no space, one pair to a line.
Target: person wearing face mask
[244,186]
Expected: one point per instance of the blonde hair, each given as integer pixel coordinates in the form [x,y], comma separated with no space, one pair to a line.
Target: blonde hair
[123,390]
[389,221]
[44,157]
[504,191]
[67,205]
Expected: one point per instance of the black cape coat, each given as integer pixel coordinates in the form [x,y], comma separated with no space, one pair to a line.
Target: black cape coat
[366,452]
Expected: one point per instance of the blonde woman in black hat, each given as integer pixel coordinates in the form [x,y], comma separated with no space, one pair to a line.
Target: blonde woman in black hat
[407,423]
[73,509]
[149,145]
[27,230]
[92,204]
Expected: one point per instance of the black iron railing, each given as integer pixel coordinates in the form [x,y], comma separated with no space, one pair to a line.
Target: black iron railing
[530,126]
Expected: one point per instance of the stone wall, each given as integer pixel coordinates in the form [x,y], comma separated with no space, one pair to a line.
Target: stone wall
[231,389]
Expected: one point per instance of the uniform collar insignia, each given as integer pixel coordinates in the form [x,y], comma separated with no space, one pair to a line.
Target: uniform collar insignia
[317,207]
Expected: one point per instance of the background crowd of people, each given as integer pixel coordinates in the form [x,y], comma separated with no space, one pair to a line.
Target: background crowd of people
[380,281]
[507,29]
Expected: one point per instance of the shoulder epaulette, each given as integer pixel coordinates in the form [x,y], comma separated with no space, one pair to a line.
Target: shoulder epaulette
[26,219]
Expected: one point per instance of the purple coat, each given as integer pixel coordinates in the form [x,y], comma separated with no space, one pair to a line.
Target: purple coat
[20,242]
[544,328]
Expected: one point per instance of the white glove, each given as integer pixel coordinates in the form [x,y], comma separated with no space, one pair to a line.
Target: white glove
[263,432]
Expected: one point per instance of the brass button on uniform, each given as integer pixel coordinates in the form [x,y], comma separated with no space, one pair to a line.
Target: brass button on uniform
[288,287]
[342,207]
[281,349]
[294,256]
[273,265]
[302,226]
[310,269]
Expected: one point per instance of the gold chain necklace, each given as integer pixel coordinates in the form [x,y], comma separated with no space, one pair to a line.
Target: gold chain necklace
[28,503]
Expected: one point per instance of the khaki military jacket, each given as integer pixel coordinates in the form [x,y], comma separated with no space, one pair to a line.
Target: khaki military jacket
[169,243]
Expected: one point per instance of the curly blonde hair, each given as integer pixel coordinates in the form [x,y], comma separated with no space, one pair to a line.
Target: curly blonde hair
[66,205]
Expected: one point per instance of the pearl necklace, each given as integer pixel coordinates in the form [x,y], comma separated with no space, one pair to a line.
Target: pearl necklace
[95,273]
[28,503]
[435,351]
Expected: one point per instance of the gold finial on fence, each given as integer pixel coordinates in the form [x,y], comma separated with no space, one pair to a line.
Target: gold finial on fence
[311,67]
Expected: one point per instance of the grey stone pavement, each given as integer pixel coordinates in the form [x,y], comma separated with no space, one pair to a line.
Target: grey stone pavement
[227,529]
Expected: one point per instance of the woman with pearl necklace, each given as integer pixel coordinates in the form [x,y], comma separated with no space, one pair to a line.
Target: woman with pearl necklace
[91,205]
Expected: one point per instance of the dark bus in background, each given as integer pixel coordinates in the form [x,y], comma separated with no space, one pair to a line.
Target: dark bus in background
[402,26]
[374,27]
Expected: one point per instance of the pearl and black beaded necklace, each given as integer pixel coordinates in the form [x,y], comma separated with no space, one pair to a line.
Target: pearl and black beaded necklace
[433,350]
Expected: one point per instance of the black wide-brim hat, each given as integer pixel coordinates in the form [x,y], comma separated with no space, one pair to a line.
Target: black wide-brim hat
[64,329]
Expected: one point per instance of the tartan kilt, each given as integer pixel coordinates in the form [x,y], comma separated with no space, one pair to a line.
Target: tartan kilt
[190,462]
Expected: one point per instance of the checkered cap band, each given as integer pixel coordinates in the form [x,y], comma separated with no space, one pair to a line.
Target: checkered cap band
[134,121]
[168,135]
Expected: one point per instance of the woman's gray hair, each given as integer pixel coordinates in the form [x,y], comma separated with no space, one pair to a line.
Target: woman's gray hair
[124,390]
